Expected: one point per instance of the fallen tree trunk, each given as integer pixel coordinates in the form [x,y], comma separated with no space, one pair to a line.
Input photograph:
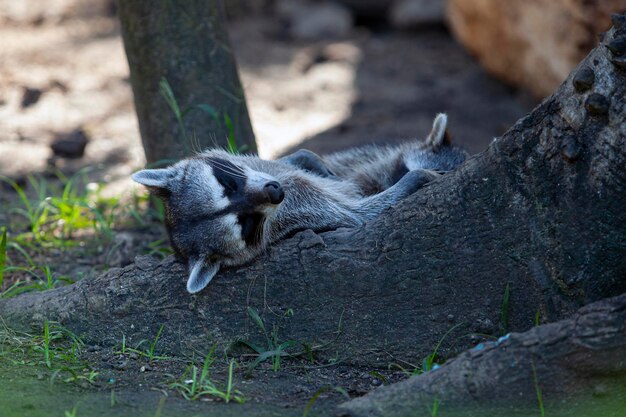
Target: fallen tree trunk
[574,367]
[541,212]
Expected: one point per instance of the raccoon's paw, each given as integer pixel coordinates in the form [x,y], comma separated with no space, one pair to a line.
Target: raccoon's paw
[416,179]
[308,161]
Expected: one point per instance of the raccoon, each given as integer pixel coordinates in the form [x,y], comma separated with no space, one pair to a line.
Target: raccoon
[224,209]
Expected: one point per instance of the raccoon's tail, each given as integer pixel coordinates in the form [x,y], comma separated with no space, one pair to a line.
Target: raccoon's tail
[438,135]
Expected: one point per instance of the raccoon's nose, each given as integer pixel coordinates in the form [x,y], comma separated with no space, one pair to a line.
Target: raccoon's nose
[274,192]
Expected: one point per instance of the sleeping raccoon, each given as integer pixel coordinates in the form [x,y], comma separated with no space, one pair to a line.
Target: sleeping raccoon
[224,209]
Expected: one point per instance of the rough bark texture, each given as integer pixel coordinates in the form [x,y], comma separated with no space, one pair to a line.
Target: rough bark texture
[185,43]
[542,210]
[532,44]
[582,358]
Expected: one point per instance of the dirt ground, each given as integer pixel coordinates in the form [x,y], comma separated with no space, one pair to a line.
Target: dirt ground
[63,68]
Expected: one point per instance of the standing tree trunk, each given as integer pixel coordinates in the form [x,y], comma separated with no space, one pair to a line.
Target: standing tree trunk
[184,44]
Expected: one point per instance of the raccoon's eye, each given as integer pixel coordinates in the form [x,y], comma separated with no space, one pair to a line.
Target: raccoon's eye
[229,183]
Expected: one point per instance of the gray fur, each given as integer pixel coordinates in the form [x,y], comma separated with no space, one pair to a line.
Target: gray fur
[224,209]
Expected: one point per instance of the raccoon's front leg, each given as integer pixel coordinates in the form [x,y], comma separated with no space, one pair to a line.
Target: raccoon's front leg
[407,185]
[309,161]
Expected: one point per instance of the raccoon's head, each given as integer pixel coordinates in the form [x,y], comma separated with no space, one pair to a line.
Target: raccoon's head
[216,212]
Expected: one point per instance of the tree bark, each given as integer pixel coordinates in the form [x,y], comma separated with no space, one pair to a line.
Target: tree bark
[540,211]
[186,44]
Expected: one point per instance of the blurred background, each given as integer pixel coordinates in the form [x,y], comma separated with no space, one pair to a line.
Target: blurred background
[317,74]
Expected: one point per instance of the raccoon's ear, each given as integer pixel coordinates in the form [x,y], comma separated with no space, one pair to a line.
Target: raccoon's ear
[157,178]
[438,135]
[201,273]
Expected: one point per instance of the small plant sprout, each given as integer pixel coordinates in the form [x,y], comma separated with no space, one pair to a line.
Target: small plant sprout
[274,347]
[150,352]
[428,363]
[72,413]
[196,383]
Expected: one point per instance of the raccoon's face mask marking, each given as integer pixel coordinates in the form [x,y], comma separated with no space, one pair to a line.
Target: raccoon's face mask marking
[215,212]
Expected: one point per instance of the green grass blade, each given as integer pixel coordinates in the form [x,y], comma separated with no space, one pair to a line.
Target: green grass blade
[254,315]
[316,395]
[504,310]
[208,110]
[230,138]
[229,385]
[23,252]
[542,411]
[168,95]
[18,190]
[154,343]
[435,409]
[538,317]
[3,255]
[46,344]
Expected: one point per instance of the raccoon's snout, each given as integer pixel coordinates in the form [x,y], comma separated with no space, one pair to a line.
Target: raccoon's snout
[274,192]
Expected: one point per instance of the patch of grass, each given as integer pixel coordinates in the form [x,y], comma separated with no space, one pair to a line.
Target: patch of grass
[42,279]
[504,310]
[56,349]
[275,348]
[55,214]
[197,383]
[61,214]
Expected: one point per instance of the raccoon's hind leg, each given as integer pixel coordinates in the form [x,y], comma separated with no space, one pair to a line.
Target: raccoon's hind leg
[309,161]
[412,181]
